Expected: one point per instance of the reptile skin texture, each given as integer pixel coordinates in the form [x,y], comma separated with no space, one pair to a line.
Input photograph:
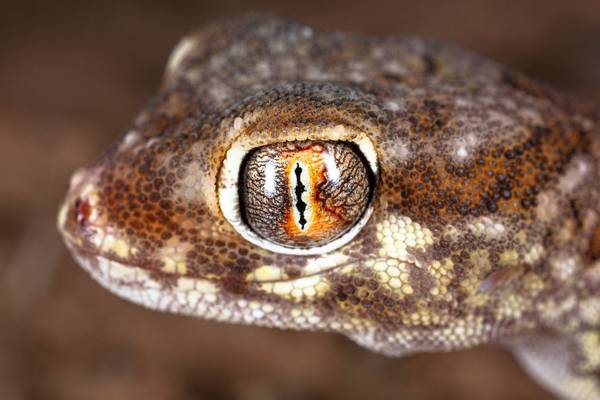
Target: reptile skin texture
[466,211]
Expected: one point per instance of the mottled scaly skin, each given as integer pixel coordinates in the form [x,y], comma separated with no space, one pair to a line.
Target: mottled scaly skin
[486,218]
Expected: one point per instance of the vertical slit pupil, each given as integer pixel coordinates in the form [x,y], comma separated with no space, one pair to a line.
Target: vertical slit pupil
[298,190]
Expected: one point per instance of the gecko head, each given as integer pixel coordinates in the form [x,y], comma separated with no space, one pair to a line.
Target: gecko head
[248,218]
[312,205]
[282,222]
[301,221]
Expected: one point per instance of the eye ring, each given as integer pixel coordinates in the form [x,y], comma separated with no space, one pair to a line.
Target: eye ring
[230,188]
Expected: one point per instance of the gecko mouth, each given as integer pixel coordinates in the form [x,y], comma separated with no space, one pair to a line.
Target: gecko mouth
[90,257]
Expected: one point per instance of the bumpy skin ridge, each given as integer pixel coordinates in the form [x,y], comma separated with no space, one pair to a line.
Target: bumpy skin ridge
[485,224]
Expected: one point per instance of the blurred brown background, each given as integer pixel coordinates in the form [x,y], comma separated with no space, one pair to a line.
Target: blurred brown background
[72,76]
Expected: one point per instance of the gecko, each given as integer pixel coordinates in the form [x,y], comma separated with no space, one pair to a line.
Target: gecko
[403,192]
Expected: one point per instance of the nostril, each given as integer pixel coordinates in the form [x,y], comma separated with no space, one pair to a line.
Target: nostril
[83,210]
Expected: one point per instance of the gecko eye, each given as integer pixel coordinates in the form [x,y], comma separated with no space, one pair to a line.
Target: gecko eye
[301,194]
[301,197]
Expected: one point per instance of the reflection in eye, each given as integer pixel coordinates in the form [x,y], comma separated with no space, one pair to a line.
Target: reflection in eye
[304,193]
